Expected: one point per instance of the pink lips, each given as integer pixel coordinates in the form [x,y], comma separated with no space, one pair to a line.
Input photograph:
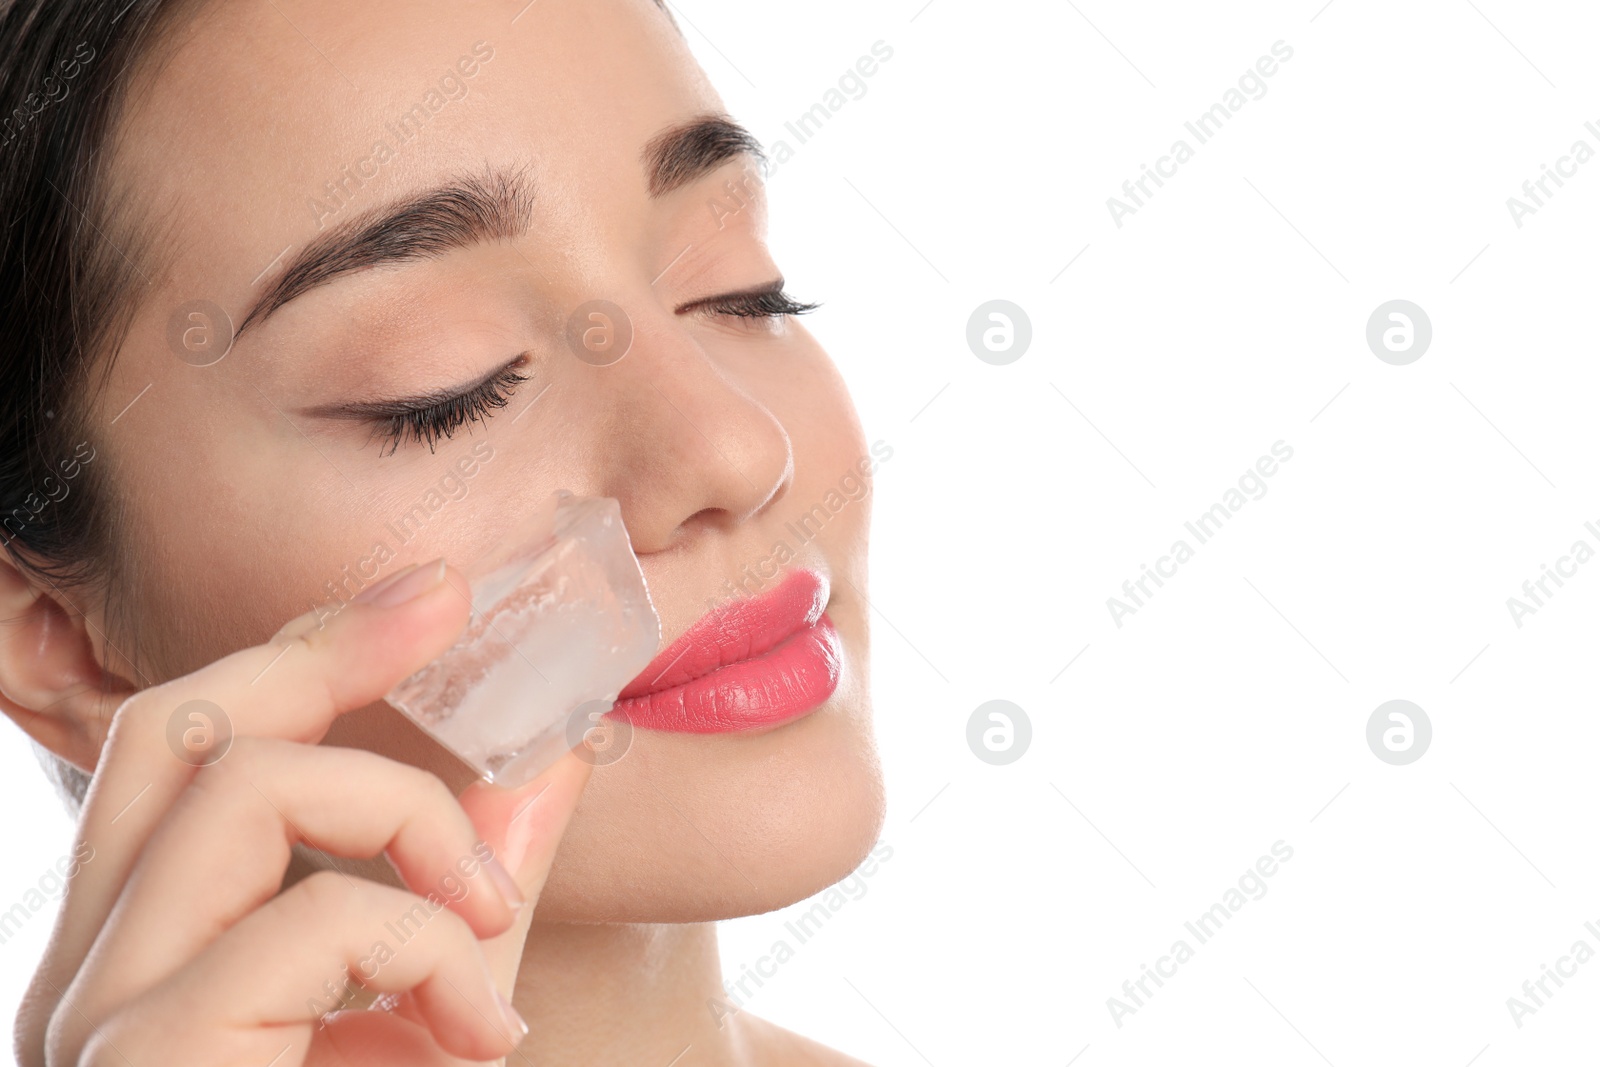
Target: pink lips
[755,663]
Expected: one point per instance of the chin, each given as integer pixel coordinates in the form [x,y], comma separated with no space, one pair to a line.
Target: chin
[686,828]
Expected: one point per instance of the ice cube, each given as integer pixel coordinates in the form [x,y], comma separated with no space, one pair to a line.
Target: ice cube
[561,621]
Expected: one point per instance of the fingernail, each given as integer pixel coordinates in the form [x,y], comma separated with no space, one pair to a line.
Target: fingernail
[513,1020]
[506,884]
[403,586]
[372,590]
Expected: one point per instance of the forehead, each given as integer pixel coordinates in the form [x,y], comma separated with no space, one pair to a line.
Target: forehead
[262,122]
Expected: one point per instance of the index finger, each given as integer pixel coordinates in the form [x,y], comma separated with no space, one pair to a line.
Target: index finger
[290,688]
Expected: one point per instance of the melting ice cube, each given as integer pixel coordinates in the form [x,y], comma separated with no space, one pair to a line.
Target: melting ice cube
[561,621]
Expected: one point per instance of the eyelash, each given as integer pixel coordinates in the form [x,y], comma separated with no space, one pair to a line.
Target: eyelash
[765,304]
[441,419]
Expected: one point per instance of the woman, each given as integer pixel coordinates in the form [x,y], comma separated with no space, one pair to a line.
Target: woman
[302,302]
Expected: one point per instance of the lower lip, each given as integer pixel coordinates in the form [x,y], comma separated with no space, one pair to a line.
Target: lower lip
[789,680]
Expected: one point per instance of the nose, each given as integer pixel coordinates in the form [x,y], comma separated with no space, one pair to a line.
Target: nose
[699,450]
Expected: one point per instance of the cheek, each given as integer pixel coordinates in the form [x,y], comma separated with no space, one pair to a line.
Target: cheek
[204,593]
[830,449]
[231,545]
[811,401]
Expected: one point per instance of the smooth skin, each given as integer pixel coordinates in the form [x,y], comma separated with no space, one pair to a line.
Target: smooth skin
[237,503]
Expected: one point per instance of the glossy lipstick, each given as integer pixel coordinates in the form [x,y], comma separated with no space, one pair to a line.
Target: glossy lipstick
[752,664]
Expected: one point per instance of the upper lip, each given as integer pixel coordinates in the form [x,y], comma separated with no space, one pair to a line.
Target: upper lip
[739,631]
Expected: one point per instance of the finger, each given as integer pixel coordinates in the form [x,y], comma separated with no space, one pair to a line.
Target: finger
[291,687]
[269,976]
[524,826]
[224,847]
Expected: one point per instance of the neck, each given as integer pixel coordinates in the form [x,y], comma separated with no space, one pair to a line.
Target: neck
[625,994]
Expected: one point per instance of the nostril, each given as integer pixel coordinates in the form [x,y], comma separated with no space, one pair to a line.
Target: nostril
[709,518]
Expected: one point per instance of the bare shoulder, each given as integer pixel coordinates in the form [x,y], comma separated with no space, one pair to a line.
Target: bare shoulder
[771,1045]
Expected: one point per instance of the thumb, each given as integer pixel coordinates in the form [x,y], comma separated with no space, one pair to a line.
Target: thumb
[524,825]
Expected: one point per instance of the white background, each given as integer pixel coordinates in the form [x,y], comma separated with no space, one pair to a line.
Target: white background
[1230,711]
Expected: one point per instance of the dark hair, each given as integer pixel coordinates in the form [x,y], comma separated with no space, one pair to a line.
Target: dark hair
[70,274]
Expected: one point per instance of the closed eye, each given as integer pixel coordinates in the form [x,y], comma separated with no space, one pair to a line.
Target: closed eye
[763,302]
[442,418]
[431,416]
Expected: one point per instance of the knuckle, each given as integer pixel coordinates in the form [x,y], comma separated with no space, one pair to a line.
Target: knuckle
[110,1042]
[242,791]
[311,642]
[451,929]
[429,789]
[321,681]
[137,713]
[234,775]
[323,896]
[419,792]
[324,891]
[101,1050]
[316,638]
[64,1036]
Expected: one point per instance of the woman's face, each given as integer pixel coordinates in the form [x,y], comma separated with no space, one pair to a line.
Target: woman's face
[266,132]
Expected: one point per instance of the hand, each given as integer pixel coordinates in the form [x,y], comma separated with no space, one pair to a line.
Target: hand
[174,943]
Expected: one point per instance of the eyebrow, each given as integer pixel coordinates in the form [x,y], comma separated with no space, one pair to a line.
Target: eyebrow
[677,156]
[478,209]
[461,212]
